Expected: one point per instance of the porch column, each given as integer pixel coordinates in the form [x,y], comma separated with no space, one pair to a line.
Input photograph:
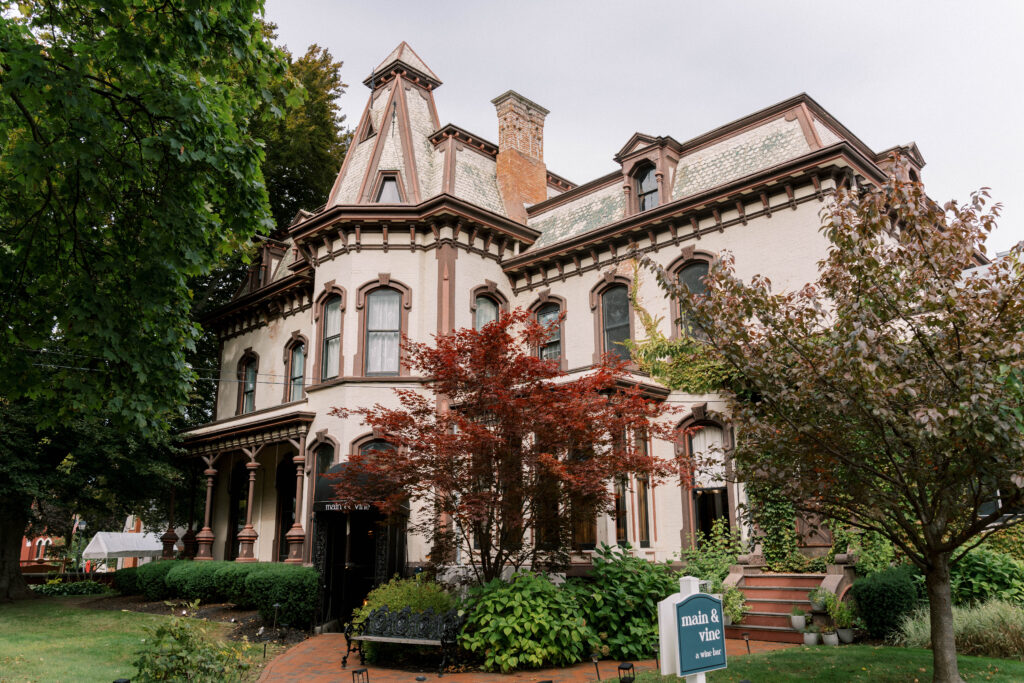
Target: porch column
[247,536]
[204,539]
[170,537]
[296,536]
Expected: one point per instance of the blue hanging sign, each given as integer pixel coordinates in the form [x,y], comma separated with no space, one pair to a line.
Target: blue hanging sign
[701,632]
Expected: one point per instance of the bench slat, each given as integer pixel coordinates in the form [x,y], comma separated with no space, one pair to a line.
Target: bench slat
[407,641]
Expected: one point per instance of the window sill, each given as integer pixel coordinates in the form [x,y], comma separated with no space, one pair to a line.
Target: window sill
[373,379]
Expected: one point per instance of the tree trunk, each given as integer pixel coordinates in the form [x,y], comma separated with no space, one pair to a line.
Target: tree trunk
[12,530]
[940,607]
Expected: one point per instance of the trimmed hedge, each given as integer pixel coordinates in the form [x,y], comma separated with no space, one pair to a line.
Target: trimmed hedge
[126,581]
[230,582]
[151,579]
[293,587]
[885,598]
[195,581]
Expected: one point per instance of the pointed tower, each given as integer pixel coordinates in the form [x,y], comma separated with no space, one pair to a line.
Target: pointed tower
[389,161]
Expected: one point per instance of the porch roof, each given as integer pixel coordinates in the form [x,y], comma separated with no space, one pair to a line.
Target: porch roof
[233,436]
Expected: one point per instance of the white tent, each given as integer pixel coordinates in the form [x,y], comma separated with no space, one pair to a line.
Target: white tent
[110,544]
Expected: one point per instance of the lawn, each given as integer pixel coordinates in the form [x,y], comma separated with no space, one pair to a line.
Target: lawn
[58,639]
[852,663]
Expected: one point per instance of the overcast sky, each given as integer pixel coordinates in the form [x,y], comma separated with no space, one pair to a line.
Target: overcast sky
[948,76]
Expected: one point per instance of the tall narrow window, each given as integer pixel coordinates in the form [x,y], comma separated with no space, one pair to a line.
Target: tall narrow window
[248,386]
[691,276]
[646,189]
[296,371]
[643,499]
[621,499]
[615,320]
[548,316]
[331,361]
[324,458]
[388,192]
[383,331]
[486,312]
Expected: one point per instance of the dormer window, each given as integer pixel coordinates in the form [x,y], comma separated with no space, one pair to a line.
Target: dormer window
[646,188]
[389,192]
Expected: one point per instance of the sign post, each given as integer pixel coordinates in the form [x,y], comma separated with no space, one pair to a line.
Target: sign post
[691,632]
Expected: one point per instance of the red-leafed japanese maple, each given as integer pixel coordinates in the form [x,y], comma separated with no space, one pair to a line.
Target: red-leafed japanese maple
[502,454]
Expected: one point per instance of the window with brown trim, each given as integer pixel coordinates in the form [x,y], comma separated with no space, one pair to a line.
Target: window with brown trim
[485,311]
[646,188]
[691,277]
[389,192]
[296,371]
[248,371]
[621,515]
[330,363]
[615,321]
[383,331]
[643,499]
[549,315]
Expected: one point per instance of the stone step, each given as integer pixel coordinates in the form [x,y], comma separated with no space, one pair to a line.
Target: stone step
[808,581]
[775,593]
[753,618]
[773,633]
[777,606]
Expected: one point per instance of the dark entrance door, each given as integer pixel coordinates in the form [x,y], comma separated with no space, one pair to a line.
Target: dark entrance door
[354,550]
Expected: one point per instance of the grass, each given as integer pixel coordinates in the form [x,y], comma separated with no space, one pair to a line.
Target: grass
[852,663]
[60,639]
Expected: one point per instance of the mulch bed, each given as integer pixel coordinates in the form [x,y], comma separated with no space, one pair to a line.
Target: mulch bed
[249,625]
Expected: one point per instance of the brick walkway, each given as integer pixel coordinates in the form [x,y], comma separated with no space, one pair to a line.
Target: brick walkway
[318,660]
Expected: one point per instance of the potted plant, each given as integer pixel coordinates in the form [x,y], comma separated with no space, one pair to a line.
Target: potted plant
[842,617]
[811,635]
[828,635]
[733,605]
[797,618]
[819,599]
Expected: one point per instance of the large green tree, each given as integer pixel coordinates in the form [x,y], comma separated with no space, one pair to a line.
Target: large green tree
[883,395]
[127,166]
[305,147]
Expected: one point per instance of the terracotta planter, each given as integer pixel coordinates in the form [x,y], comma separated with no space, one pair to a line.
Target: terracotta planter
[845,635]
[798,623]
[810,639]
[831,639]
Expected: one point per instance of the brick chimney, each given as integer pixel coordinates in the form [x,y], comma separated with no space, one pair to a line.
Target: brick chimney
[522,176]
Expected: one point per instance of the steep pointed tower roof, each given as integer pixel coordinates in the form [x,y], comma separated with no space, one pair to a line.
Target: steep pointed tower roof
[400,154]
[403,59]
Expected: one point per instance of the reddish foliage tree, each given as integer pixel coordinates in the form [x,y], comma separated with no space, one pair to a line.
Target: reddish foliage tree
[503,451]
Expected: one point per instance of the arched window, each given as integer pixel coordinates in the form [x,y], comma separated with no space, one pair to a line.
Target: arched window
[296,362]
[330,363]
[710,493]
[383,331]
[646,188]
[485,311]
[375,445]
[615,320]
[248,369]
[691,276]
[40,546]
[548,316]
[324,458]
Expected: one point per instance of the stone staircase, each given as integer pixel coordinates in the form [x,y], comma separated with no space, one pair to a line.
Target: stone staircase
[770,598]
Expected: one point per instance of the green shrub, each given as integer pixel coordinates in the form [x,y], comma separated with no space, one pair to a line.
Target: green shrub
[990,629]
[619,601]
[151,579]
[885,598]
[229,580]
[179,650]
[57,587]
[1008,541]
[126,581]
[714,553]
[292,586]
[416,593]
[983,575]
[527,623]
[195,581]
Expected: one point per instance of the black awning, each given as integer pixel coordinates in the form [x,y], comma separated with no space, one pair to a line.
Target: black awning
[325,498]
